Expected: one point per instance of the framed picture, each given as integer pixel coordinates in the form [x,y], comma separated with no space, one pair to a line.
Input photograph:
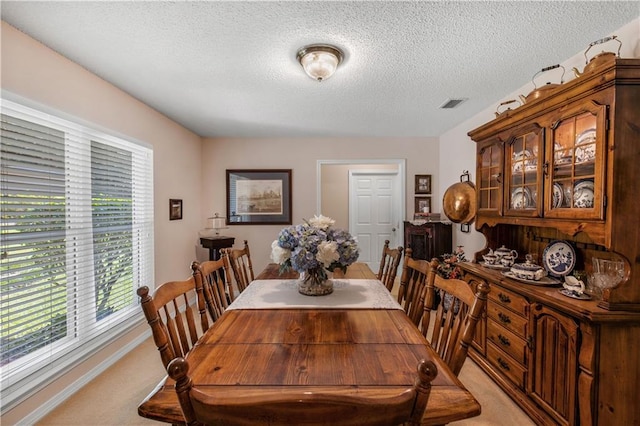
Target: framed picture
[423,184]
[422,204]
[258,197]
[175,209]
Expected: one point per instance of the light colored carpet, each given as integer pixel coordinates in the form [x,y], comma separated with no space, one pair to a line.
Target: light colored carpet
[112,398]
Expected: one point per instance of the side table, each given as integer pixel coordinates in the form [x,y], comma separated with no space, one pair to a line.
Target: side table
[214,244]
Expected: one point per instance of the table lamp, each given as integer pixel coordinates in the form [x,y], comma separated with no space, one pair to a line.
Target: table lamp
[217,223]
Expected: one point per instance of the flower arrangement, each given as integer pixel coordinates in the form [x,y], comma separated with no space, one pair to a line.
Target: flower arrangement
[314,247]
[447,267]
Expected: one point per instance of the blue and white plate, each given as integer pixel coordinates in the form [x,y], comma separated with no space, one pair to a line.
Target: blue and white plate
[559,258]
[583,194]
[557,195]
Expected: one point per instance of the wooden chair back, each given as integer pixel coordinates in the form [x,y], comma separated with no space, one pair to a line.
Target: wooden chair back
[301,407]
[389,265]
[170,314]
[456,316]
[213,277]
[413,281]
[240,261]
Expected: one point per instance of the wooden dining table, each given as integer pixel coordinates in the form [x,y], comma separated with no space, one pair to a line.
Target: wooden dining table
[337,349]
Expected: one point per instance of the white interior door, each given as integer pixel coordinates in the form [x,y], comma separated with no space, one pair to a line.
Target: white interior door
[374,212]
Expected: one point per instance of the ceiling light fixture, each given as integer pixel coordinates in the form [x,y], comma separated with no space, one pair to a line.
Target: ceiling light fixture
[319,60]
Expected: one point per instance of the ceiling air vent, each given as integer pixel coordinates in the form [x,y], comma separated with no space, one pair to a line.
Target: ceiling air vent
[452,103]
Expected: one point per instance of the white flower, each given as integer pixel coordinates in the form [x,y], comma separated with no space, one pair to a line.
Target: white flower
[321,222]
[327,253]
[278,254]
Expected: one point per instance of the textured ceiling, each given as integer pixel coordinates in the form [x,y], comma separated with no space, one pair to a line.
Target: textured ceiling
[228,69]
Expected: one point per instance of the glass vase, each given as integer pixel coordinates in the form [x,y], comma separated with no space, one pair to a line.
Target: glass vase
[315,283]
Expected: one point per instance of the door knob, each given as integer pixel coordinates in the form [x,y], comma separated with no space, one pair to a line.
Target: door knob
[393,229]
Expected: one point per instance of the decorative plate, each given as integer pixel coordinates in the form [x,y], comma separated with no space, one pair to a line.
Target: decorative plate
[588,136]
[586,153]
[583,194]
[564,160]
[520,161]
[541,281]
[521,198]
[557,195]
[574,295]
[559,258]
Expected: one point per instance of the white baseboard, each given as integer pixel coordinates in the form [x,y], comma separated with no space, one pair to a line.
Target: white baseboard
[62,396]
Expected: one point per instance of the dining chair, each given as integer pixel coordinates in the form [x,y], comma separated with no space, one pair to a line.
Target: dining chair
[240,261]
[389,265]
[303,407]
[411,295]
[449,325]
[213,276]
[170,314]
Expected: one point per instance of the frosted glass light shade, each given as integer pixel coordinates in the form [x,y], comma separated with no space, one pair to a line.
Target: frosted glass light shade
[217,223]
[319,61]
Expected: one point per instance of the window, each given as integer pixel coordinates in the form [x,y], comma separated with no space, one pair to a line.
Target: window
[76,240]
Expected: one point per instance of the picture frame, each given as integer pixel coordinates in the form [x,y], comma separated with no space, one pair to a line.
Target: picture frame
[259,197]
[175,209]
[422,184]
[420,203]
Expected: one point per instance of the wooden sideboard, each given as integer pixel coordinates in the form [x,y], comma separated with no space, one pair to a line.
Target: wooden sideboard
[429,240]
[564,361]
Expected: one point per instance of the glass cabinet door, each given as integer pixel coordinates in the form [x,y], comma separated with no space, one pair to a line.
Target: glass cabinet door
[576,158]
[523,171]
[489,169]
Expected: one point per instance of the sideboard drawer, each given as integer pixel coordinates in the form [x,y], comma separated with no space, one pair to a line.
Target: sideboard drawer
[510,300]
[507,341]
[507,319]
[506,365]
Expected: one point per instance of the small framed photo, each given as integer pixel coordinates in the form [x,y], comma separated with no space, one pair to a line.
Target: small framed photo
[422,204]
[175,209]
[423,184]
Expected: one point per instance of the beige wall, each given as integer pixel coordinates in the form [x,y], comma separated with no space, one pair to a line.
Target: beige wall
[35,72]
[301,155]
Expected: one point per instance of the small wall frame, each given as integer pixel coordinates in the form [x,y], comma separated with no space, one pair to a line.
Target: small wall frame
[175,209]
[422,204]
[423,184]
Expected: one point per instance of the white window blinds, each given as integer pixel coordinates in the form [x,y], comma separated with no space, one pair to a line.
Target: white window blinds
[76,211]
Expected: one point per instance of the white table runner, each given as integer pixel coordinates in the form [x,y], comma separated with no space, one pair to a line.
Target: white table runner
[347,293]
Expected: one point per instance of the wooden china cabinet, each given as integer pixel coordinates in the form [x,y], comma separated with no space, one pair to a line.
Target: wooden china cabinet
[564,167]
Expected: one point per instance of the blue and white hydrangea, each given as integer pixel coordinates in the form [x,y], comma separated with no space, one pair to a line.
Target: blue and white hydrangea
[314,247]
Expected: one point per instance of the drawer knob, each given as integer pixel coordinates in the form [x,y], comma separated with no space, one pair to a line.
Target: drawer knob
[505,341]
[504,298]
[504,318]
[503,364]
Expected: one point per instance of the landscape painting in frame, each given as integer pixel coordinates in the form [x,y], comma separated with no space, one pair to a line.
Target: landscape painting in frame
[259,197]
